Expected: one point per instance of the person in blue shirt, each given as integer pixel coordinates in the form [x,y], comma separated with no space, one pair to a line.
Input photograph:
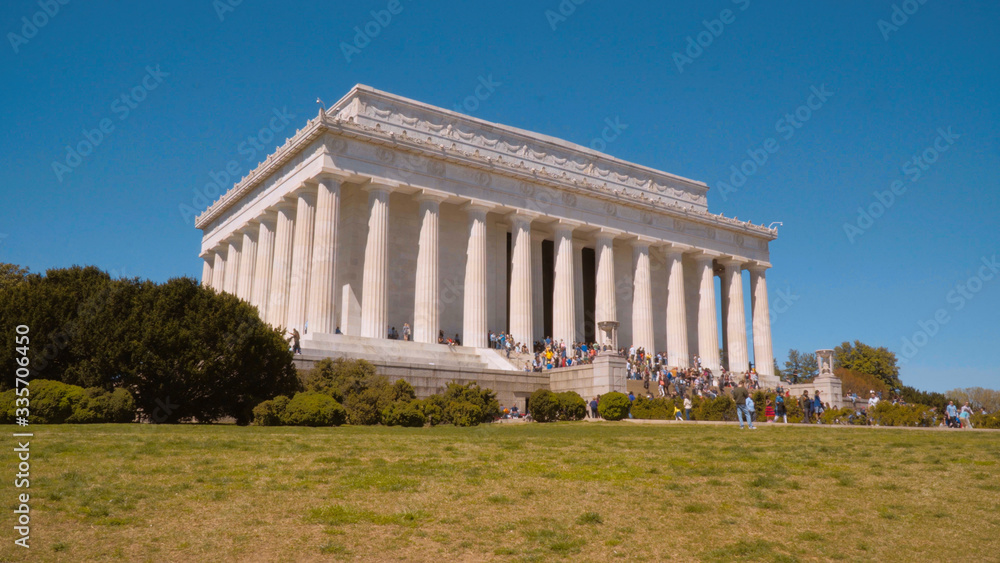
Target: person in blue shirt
[951,413]
[818,408]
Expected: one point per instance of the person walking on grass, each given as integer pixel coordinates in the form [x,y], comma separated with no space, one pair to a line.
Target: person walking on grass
[806,404]
[779,409]
[687,408]
[740,396]
[769,411]
[966,416]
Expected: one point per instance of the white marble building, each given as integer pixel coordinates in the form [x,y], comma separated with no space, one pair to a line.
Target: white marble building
[384,210]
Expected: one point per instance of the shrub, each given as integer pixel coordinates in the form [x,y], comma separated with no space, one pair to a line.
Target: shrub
[365,408]
[270,413]
[720,408]
[310,408]
[544,406]
[403,414]
[463,413]
[888,414]
[836,416]
[432,408]
[571,406]
[613,406]
[53,402]
[986,420]
[659,408]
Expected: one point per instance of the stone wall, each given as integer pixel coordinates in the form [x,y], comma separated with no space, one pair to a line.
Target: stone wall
[511,387]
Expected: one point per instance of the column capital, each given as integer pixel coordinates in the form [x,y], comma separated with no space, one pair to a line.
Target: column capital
[269,216]
[642,242]
[566,226]
[732,261]
[430,196]
[703,256]
[377,187]
[478,206]
[284,204]
[328,175]
[676,249]
[207,255]
[758,267]
[606,234]
[521,217]
[306,191]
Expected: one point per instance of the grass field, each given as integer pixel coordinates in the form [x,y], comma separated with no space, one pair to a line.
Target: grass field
[520,492]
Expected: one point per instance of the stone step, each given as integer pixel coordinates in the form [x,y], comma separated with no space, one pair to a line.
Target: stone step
[319,346]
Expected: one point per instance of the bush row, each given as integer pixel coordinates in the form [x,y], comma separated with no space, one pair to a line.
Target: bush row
[339,391]
[54,402]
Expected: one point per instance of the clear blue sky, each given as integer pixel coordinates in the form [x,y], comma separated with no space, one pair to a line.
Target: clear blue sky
[892,90]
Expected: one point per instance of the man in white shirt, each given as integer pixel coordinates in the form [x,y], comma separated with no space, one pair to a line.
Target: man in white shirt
[872,400]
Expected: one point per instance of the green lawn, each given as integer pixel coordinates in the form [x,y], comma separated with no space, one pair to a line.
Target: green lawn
[569,491]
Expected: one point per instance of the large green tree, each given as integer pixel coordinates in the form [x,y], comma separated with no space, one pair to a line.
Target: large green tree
[184,351]
[863,358]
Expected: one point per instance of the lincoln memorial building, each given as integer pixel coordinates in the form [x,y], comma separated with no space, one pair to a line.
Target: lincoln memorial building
[382,211]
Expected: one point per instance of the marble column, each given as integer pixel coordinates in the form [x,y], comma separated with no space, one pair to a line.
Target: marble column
[281,271]
[708,326]
[298,293]
[578,291]
[426,296]
[265,261]
[322,303]
[474,307]
[564,287]
[736,326]
[724,304]
[605,308]
[521,320]
[537,297]
[642,298]
[219,271]
[763,356]
[374,297]
[233,265]
[248,261]
[206,269]
[677,337]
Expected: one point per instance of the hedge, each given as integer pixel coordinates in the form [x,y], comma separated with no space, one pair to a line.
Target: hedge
[54,402]
[613,406]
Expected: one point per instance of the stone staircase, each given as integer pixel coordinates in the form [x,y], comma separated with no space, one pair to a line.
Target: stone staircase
[319,346]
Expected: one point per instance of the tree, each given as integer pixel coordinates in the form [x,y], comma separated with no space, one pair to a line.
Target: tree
[978,397]
[182,350]
[803,364]
[863,358]
[11,275]
[200,354]
[777,370]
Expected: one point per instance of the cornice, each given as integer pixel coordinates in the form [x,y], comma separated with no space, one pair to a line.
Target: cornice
[327,123]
